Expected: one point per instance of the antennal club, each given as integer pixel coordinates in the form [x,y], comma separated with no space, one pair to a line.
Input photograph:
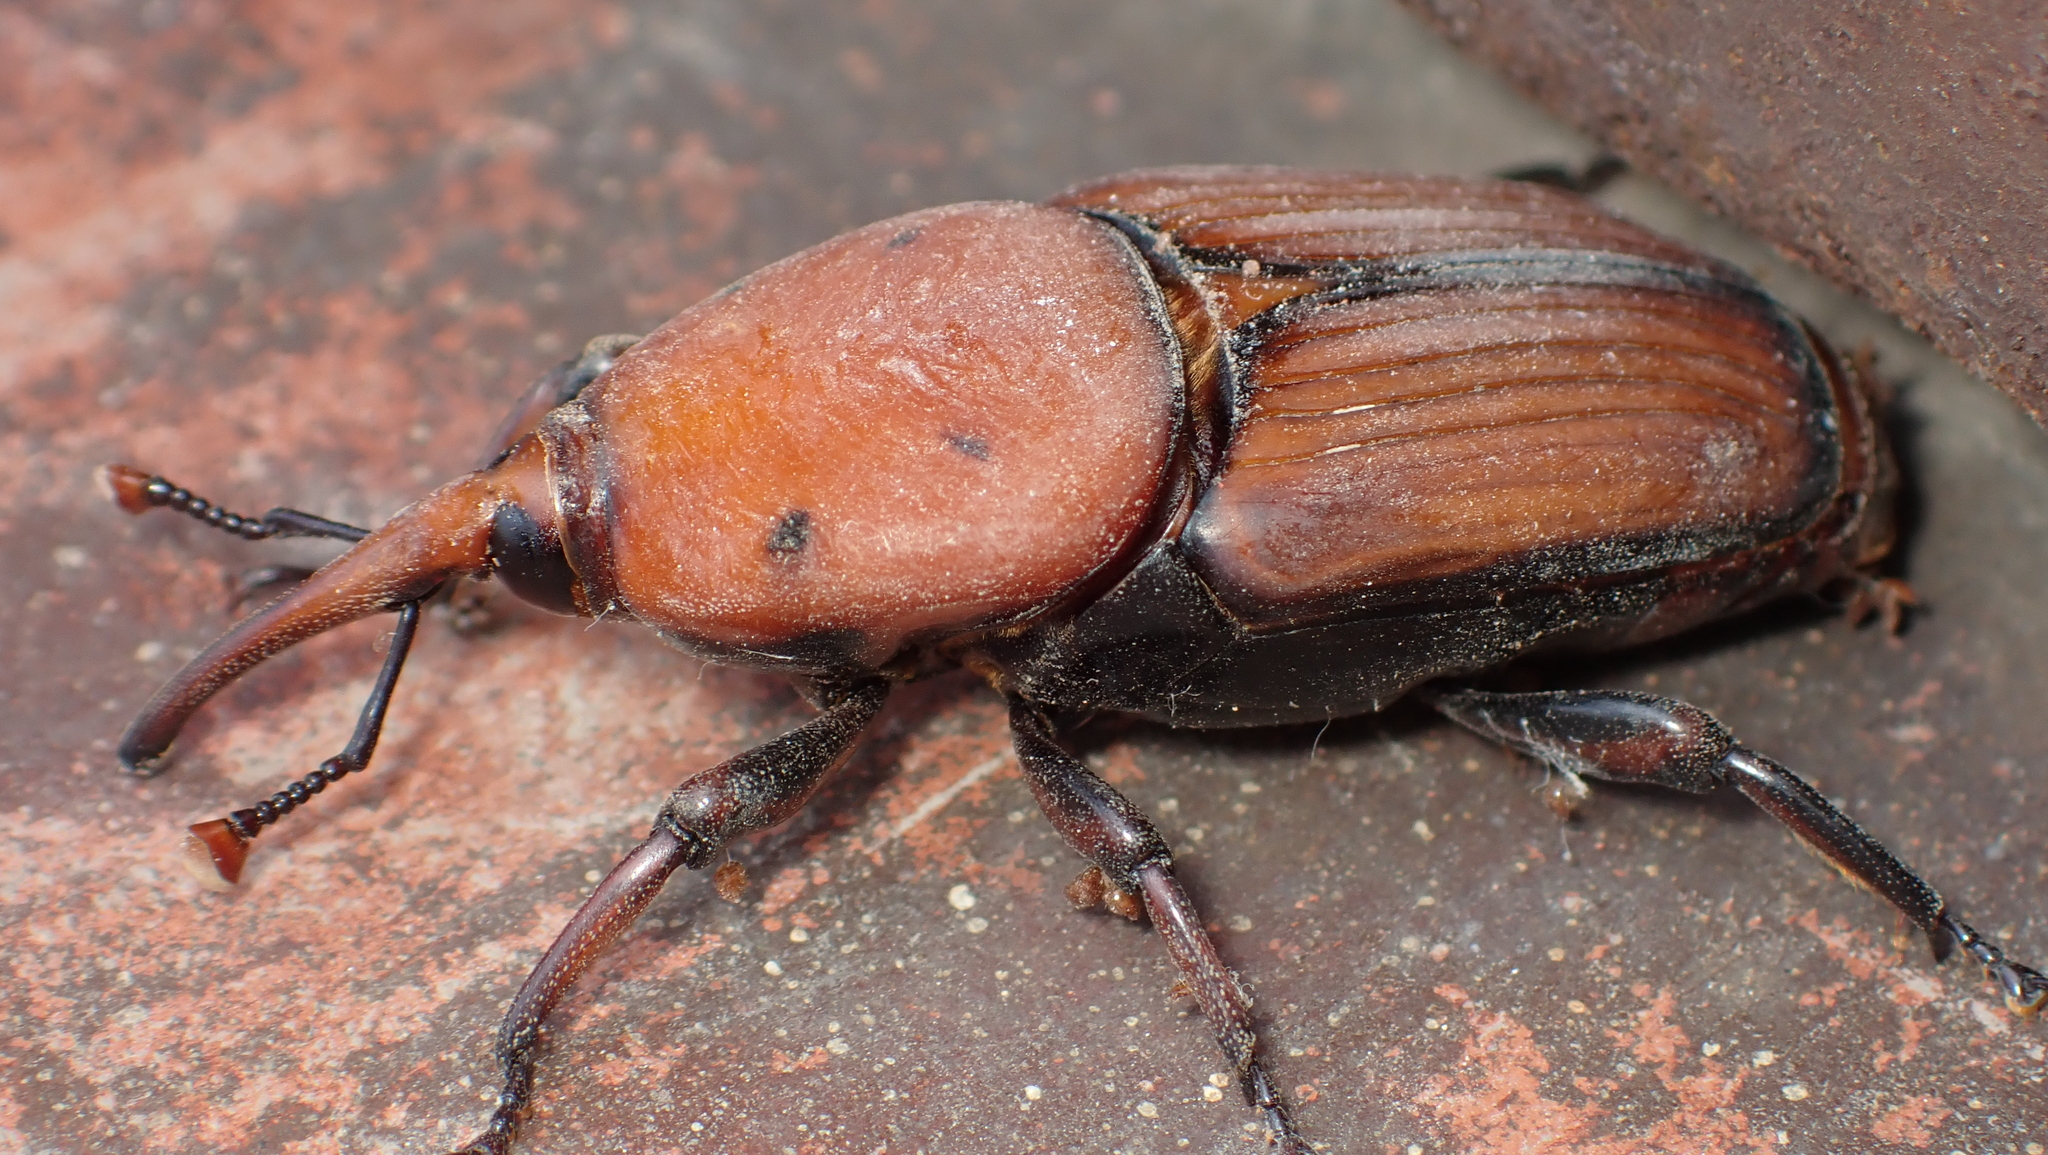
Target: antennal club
[216,850]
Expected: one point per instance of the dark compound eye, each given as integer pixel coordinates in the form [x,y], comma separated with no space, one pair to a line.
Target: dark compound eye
[530,561]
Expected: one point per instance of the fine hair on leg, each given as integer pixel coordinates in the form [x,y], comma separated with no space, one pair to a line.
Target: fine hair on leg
[1129,864]
[1623,736]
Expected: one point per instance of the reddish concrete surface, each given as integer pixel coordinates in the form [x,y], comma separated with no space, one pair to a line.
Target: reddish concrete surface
[293,256]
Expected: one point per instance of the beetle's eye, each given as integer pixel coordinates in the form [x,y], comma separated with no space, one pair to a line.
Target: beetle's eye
[530,561]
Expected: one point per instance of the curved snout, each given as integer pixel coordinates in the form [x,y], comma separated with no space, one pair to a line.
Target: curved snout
[443,535]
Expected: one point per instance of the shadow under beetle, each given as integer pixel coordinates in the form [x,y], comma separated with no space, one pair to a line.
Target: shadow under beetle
[1215,446]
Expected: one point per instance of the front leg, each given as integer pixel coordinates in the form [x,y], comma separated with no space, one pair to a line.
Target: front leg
[1131,864]
[749,792]
[1629,737]
[558,386]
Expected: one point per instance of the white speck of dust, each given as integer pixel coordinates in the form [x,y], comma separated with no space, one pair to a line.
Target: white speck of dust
[1148,1110]
[1794,1091]
[960,897]
[1212,1094]
[1763,1058]
[772,967]
[937,801]
[70,557]
[1987,1018]
[149,651]
[799,934]
[1423,831]
[1034,1092]
[976,925]
[592,876]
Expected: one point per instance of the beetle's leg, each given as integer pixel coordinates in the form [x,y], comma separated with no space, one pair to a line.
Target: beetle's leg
[557,386]
[251,584]
[221,846]
[1586,181]
[1104,827]
[1628,737]
[1887,599]
[745,793]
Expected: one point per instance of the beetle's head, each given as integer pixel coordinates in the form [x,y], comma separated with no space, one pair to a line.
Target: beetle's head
[499,520]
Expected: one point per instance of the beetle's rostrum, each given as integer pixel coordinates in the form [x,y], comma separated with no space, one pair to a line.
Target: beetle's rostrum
[1216,446]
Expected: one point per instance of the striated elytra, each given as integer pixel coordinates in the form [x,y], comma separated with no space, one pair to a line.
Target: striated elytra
[1216,446]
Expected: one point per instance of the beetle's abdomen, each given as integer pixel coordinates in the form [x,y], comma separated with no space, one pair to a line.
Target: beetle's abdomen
[922,427]
[1509,420]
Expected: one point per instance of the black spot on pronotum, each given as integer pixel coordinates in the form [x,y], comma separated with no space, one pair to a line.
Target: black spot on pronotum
[791,534]
[968,443]
[905,237]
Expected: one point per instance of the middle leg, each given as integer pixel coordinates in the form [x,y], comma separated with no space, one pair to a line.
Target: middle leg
[1130,863]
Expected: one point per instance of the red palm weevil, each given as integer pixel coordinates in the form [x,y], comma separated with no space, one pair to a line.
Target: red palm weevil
[1213,446]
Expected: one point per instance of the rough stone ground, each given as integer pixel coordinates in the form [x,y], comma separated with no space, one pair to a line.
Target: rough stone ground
[306,254]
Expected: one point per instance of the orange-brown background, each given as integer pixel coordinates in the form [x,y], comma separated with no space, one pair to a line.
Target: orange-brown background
[307,253]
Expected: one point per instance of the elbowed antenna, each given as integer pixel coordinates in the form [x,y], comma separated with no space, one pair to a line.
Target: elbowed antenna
[442,535]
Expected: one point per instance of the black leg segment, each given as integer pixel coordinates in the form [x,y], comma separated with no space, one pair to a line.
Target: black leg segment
[1585,181]
[1628,737]
[1128,858]
[222,844]
[557,386]
[745,793]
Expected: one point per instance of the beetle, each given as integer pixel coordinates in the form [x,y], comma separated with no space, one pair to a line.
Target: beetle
[1215,446]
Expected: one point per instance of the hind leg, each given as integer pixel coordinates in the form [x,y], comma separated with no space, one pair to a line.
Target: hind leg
[1628,737]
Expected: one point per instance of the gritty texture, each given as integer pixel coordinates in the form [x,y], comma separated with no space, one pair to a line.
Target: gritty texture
[1902,152]
[309,254]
